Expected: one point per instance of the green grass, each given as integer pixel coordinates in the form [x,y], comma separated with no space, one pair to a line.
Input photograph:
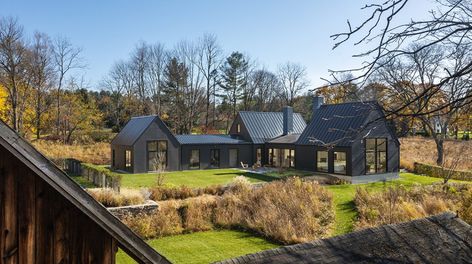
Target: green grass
[204,247]
[192,178]
[288,173]
[344,197]
[82,181]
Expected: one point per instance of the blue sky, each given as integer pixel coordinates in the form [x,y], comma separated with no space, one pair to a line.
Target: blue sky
[270,31]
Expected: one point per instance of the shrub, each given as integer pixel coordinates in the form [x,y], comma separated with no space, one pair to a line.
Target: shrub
[197,215]
[110,198]
[101,176]
[436,172]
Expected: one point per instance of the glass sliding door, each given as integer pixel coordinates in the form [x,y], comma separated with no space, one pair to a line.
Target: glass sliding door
[322,160]
[340,162]
[214,158]
[376,155]
[157,155]
[259,156]
[194,162]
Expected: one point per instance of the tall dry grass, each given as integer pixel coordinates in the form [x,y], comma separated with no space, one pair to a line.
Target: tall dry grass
[290,211]
[110,198]
[398,204]
[419,149]
[96,153]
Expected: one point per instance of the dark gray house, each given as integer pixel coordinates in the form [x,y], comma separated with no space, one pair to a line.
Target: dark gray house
[344,140]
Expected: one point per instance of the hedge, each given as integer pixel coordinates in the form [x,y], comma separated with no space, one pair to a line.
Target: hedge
[101,176]
[436,172]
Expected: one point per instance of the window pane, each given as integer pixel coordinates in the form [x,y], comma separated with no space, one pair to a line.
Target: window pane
[285,157]
[322,161]
[370,144]
[276,158]
[370,162]
[194,159]
[381,144]
[128,159]
[259,156]
[382,162]
[292,158]
[340,162]
[233,158]
[162,145]
[270,158]
[152,146]
[153,161]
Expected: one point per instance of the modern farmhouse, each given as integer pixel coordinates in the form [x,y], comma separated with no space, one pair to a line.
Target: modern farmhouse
[345,140]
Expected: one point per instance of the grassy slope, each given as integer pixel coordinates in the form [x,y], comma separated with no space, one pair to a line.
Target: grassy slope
[205,247]
[191,178]
[344,197]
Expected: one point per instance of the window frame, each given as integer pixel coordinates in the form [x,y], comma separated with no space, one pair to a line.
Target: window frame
[157,152]
[376,152]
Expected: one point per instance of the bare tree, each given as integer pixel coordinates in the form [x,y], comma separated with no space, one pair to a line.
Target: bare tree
[452,159]
[449,26]
[140,66]
[157,61]
[293,79]
[13,53]
[267,88]
[66,58]
[41,73]
[208,62]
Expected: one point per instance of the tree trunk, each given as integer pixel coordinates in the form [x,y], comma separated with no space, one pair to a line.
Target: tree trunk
[440,149]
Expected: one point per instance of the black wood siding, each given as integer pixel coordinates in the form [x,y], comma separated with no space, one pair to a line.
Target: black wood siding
[245,154]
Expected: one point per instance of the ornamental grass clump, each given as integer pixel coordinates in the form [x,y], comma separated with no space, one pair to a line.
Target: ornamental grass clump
[110,198]
[399,204]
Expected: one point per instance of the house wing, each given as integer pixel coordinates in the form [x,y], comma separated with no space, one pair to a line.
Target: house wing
[133,130]
[71,191]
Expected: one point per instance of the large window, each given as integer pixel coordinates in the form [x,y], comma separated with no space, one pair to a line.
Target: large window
[238,128]
[259,156]
[322,160]
[128,160]
[375,155]
[194,162]
[284,158]
[214,158]
[157,155]
[340,162]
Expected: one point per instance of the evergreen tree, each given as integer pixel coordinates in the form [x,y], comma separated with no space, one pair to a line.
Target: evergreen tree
[233,79]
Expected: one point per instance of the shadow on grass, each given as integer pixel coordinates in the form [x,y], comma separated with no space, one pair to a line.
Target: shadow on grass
[255,176]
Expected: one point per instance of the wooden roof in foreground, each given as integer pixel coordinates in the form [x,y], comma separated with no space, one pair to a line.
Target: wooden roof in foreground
[63,184]
[442,239]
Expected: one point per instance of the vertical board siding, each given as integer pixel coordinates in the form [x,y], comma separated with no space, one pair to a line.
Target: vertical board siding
[38,225]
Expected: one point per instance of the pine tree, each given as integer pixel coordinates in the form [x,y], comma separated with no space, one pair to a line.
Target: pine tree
[233,79]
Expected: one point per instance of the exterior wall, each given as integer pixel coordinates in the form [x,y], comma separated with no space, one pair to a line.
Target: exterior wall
[156,131]
[120,159]
[243,133]
[38,225]
[306,156]
[245,154]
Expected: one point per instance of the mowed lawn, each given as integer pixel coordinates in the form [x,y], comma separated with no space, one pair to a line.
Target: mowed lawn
[344,197]
[204,247]
[193,178]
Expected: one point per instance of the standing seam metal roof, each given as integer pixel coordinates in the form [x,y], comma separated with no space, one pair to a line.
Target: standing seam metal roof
[209,139]
[337,123]
[263,126]
[133,130]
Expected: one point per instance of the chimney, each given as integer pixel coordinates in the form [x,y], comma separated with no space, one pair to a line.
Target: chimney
[317,102]
[288,120]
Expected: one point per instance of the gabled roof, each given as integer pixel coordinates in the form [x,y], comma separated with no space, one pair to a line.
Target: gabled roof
[338,123]
[263,126]
[208,139]
[71,191]
[133,130]
[438,239]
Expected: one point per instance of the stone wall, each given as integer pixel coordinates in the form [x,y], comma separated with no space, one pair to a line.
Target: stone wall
[150,207]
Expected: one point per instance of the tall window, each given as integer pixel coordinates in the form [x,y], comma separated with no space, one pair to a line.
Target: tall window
[259,156]
[285,158]
[292,158]
[128,160]
[194,159]
[375,155]
[157,155]
[282,158]
[271,157]
[113,158]
[238,128]
[340,162]
[233,158]
[322,161]
[276,157]
[214,158]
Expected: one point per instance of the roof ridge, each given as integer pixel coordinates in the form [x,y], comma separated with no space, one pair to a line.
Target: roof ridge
[136,117]
[356,102]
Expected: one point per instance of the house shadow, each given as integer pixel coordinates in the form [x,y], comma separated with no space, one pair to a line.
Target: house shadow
[255,176]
